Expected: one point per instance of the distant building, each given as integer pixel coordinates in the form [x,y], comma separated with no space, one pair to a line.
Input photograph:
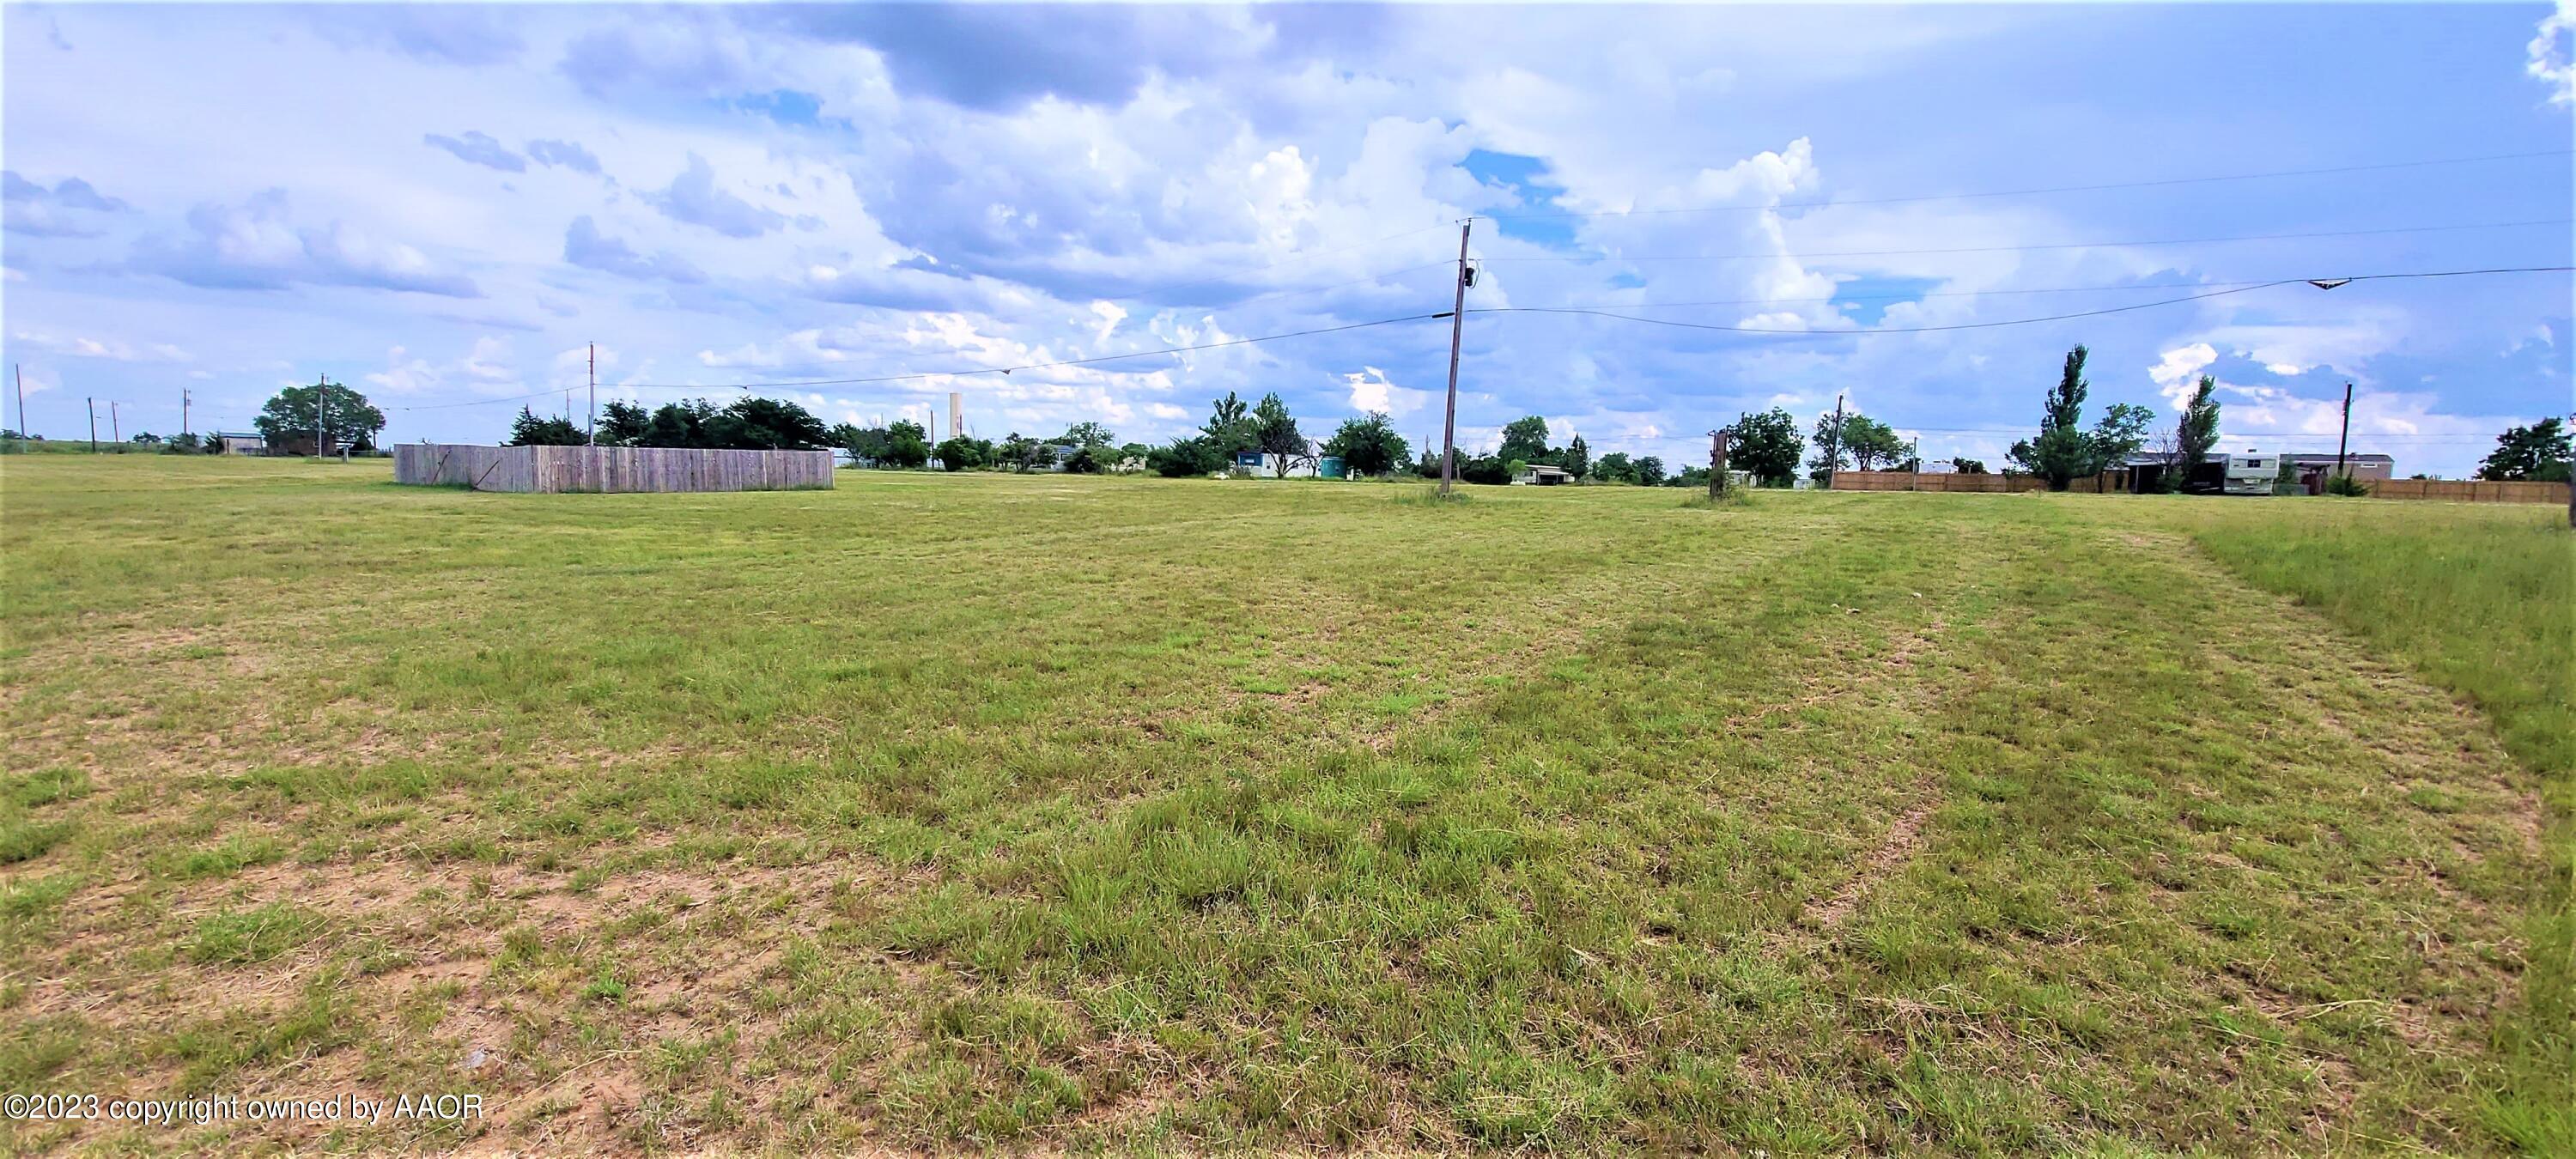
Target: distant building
[1543,476]
[239,442]
[2309,470]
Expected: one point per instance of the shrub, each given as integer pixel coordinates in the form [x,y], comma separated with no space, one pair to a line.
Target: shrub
[2346,485]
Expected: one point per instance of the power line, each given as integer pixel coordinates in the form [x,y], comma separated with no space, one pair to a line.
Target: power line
[958,373]
[2239,289]
[2068,245]
[2038,191]
[2045,290]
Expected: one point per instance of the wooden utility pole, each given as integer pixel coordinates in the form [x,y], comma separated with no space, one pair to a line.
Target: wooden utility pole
[115,429]
[93,424]
[1716,463]
[183,410]
[1834,445]
[24,426]
[591,433]
[321,417]
[1457,323]
[2345,436]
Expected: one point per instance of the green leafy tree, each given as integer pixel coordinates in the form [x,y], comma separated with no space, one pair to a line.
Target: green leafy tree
[2195,435]
[1969,466]
[1483,470]
[2117,435]
[964,454]
[1087,435]
[1650,471]
[1230,426]
[1577,458]
[1615,468]
[534,430]
[2539,452]
[180,444]
[1852,439]
[2063,449]
[1275,435]
[678,424]
[623,424]
[1368,446]
[340,415]
[754,424]
[1022,454]
[907,445]
[1525,439]
[1767,445]
[1187,458]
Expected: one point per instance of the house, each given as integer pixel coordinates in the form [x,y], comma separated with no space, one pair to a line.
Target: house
[239,442]
[1543,476]
[1259,465]
[2310,470]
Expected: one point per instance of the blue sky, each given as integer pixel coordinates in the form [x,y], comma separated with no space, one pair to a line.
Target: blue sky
[444,206]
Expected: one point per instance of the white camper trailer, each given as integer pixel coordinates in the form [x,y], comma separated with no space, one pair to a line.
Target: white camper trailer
[2251,473]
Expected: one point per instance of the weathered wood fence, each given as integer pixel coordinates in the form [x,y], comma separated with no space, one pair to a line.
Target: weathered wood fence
[555,469]
[2108,482]
[2114,482]
[2469,491]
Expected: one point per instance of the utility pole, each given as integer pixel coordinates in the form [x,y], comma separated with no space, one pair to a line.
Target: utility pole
[591,433]
[115,429]
[93,424]
[183,410]
[321,417]
[20,373]
[1457,323]
[2343,439]
[1716,463]
[1834,445]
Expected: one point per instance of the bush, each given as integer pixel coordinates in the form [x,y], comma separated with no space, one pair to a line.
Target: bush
[2346,485]
[1186,459]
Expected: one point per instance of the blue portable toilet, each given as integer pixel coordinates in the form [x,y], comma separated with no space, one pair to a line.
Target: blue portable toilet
[1329,467]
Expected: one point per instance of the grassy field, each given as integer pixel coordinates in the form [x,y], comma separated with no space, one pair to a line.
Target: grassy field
[1090,814]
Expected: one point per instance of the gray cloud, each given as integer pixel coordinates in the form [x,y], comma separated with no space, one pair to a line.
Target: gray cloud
[694,199]
[588,248]
[257,246]
[439,33]
[1001,56]
[36,211]
[479,149]
[568,154]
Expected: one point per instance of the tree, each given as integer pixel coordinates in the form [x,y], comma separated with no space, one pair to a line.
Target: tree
[1230,427]
[907,445]
[964,454]
[2117,435]
[180,444]
[1368,446]
[1524,439]
[755,424]
[622,424]
[1087,435]
[530,430]
[678,424]
[2539,452]
[1275,434]
[1484,470]
[145,438]
[1969,466]
[1188,458]
[1650,471]
[1850,438]
[1767,445]
[1577,459]
[2062,450]
[2195,433]
[1023,454]
[1615,468]
[343,417]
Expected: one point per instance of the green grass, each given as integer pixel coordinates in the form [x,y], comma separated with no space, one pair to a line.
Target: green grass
[955,812]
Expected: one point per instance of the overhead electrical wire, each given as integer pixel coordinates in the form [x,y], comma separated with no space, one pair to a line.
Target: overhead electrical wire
[2038,191]
[1595,258]
[1812,333]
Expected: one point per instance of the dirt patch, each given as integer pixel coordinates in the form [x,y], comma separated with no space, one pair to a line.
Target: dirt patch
[1903,840]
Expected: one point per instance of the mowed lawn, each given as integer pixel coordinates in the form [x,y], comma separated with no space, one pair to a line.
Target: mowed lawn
[1093,814]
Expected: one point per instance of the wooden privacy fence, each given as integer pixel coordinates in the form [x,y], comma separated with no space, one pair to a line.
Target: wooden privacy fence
[2469,491]
[2108,482]
[556,469]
